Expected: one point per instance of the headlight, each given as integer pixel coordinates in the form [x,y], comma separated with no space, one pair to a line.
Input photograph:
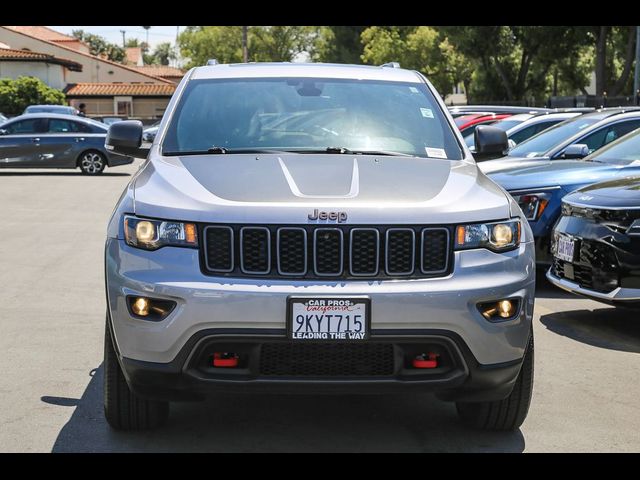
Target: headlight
[497,236]
[532,204]
[153,234]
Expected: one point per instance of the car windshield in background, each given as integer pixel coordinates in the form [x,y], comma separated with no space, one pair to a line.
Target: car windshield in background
[96,123]
[624,151]
[502,125]
[51,109]
[541,143]
[309,115]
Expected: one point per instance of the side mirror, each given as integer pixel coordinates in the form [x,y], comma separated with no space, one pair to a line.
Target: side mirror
[490,142]
[577,150]
[125,138]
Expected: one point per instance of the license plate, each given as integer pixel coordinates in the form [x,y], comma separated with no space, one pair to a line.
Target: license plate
[565,248]
[335,319]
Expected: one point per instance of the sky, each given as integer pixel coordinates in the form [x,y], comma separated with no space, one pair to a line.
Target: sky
[113,34]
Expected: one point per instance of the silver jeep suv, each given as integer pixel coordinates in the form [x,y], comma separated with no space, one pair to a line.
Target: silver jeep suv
[315,228]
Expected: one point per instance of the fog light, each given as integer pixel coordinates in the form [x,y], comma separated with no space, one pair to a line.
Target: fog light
[140,306]
[500,310]
[505,308]
[153,309]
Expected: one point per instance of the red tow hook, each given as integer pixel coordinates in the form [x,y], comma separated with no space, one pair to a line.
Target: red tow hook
[429,360]
[224,359]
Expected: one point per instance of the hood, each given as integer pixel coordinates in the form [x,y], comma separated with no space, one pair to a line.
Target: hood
[618,193]
[508,163]
[266,188]
[565,173]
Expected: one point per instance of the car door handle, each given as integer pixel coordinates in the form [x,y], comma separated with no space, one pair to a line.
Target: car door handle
[36,140]
[79,139]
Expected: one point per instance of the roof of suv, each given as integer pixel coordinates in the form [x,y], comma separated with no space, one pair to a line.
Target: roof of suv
[603,113]
[315,70]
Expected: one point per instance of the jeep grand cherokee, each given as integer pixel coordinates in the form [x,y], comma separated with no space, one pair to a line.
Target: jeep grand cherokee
[315,228]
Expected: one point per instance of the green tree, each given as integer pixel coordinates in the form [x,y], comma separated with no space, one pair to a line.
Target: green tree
[18,94]
[278,43]
[100,46]
[162,54]
[265,44]
[199,44]
[418,48]
[614,57]
[515,62]
[337,44]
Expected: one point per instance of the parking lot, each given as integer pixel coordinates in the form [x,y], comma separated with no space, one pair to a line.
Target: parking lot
[51,332]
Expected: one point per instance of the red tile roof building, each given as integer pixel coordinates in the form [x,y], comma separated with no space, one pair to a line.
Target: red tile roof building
[49,35]
[113,89]
[163,71]
[25,55]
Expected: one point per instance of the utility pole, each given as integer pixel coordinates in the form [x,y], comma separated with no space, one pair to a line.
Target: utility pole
[177,49]
[147,41]
[636,77]
[123,40]
[245,50]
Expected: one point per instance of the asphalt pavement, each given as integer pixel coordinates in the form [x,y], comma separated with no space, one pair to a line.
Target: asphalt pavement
[52,305]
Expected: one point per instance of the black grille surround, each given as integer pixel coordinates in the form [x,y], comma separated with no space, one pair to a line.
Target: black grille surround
[327,360]
[326,251]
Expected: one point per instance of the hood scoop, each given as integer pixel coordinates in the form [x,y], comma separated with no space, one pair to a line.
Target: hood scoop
[353,190]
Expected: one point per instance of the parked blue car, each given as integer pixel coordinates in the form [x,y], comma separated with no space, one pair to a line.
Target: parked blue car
[539,188]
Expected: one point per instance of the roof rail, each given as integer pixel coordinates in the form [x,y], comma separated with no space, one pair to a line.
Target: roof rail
[212,61]
[391,65]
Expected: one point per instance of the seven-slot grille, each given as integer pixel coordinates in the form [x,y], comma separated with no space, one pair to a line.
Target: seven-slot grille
[326,252]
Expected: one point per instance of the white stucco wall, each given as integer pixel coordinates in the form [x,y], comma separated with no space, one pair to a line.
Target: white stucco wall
[51,74]
[94,70]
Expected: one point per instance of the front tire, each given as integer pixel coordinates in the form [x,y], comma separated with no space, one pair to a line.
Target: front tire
[506,414]
[122,408]
[92,162]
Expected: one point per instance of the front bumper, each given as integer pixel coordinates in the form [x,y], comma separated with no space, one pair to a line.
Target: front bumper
[618,295]
[460,378]
[606,264]
[204,302]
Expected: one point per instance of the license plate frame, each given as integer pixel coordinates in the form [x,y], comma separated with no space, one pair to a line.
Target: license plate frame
[301,300]
[562,249]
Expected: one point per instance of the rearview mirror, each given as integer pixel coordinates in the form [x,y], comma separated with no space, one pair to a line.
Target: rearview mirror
[490,142]
[577,150]
[125,138]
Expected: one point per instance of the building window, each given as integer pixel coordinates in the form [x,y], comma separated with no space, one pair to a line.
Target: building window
[123,106]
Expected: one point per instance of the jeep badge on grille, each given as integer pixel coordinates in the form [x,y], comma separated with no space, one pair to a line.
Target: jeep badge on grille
[340,217]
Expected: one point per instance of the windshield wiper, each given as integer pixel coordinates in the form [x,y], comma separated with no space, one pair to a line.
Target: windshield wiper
[346,151]
[216,150]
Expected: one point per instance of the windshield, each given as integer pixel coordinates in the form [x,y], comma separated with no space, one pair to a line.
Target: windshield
[624,151]
[95,123]
[309,114]
[541,143]
[49,109]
